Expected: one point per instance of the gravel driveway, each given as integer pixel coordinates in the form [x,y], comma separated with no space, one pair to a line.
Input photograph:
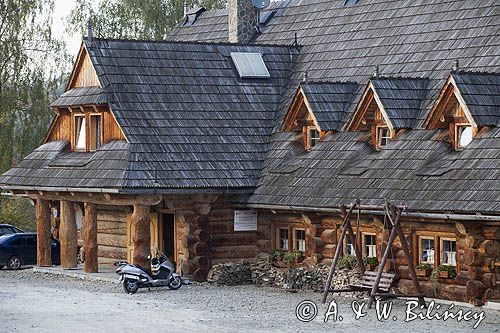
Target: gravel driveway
[43,303]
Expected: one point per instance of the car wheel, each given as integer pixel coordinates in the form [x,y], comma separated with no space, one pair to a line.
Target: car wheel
[14,263]
[130,286]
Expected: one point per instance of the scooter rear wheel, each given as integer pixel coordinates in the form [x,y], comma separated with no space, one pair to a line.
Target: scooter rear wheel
[175,282]
[130,286]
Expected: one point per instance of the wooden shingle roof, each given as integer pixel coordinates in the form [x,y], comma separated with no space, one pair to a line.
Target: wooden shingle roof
[191,121]
[330,102]
[481,93]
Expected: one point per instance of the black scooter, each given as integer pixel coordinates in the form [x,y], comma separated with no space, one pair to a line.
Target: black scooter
[162,274]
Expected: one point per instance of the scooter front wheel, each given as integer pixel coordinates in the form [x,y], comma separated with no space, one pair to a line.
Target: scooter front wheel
[130,286]
[175,282]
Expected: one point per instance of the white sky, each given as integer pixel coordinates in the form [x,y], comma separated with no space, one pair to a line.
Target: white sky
[62,8]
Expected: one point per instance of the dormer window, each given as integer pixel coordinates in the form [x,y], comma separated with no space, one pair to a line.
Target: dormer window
[388,106]
[80,138]
[462,113]
[464,135]
[87,131]
[95,131]
[313,137]
[383,136]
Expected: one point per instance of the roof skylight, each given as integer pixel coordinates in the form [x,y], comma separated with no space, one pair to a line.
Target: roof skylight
[250,65]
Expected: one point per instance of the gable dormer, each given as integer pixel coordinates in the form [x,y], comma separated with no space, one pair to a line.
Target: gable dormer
[318,108]
[83,116]
[388,105]
[467,102]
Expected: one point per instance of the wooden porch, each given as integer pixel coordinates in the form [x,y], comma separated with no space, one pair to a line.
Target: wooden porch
[68,235]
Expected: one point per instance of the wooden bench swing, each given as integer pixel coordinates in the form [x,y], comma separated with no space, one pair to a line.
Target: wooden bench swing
[380,282]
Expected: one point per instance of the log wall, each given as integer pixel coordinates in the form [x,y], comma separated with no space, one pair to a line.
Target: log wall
[112,234]
[478,250]
[205,234]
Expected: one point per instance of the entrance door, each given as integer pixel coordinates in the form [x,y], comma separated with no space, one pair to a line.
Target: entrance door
[167,235]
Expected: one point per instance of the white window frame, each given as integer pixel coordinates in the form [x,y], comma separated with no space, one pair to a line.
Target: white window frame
[383,138]
[78,133]
[296,245]
[349,246]
[452,254]
[374,249]
[99,135]
[430,253]
[459,132]
[278,239]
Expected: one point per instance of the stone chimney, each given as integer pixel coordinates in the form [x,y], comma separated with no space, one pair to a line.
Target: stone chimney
[243,17]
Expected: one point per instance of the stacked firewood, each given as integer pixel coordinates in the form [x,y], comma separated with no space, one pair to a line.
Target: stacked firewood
[343,278]
[302,278]
[230,274]
[262,273]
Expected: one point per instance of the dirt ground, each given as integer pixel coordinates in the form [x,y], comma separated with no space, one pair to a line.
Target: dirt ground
[33,302]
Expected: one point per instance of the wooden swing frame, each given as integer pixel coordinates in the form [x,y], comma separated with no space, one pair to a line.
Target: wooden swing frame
[393,212]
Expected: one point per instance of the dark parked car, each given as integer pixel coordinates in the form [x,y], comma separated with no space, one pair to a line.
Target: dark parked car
[6,229]
[17,250]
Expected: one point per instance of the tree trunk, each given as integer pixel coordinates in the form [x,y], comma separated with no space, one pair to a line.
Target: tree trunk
[141,235]
[68,236]
[43,249]
[90,238]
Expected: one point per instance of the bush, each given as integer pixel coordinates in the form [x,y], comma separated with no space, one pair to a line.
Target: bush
[424,266]
[347,261]
[452,272]
[19,212]
[373,261]
[275,256]
[290,257]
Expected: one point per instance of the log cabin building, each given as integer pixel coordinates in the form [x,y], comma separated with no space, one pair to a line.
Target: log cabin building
[243,132]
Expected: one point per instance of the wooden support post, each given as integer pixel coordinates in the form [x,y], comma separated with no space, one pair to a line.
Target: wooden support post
[68,236]
[392,237]
[357,249]
[90,238]
[141,235]
[43,247]
[347,218]
[411,264]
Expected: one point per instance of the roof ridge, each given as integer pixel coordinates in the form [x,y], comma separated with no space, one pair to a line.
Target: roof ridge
[328,82]
[464,71]
[388,77]
[164,41]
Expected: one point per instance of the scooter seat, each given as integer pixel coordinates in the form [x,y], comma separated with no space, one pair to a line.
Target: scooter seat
[147,271]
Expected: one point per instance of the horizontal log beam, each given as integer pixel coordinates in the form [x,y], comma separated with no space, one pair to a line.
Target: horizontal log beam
[98,198]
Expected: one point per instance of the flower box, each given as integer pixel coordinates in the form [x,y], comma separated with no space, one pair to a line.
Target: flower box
[444,274]
[423,272]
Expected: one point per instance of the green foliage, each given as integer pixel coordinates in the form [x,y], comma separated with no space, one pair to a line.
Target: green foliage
[292,256]
[18,212]
[275,256]
[142,19]
[28,79]
[347,261]
[452,272]
[286,257]
[373,261]
[424,266]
